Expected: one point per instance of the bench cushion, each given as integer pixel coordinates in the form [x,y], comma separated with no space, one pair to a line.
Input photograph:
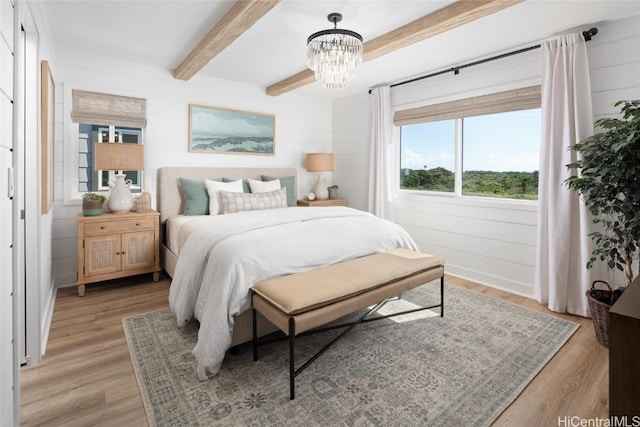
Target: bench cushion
[297,293]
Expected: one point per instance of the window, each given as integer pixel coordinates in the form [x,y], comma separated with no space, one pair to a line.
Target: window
[455,148]
[98,118]
[500,154]
[95,180]
[428,156]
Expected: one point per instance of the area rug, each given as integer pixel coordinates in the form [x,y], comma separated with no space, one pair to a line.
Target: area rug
[463,369]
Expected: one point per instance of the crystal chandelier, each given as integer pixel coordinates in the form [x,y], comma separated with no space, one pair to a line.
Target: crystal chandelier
[334,54]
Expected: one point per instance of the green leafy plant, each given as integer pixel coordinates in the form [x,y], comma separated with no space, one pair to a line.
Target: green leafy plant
[609,182]
[94,196]
[332,187]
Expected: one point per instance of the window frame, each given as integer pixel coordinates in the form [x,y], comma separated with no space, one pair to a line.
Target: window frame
[72,196]
[444,113]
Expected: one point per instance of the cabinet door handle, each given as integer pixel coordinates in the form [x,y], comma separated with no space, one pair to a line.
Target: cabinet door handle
[123,253]
[102,227]
[137,224]
[117,253]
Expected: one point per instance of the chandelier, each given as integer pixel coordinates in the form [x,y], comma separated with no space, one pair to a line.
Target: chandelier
[334,54]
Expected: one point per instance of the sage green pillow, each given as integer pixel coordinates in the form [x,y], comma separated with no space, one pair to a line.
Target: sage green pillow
[289,183]
[196,196]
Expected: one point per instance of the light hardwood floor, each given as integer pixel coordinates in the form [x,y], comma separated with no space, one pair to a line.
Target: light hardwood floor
[86,377]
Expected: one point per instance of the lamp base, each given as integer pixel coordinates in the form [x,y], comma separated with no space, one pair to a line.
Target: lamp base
[120,198]
[320,189]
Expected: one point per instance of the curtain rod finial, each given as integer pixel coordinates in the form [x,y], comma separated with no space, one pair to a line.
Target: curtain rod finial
[589,33]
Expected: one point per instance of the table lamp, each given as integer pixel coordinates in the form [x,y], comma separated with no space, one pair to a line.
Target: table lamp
[320,162]
[114,156]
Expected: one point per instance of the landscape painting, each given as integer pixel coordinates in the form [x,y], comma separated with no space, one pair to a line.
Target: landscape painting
[219,130]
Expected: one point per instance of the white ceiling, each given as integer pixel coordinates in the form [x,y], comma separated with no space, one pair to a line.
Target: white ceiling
[160,33]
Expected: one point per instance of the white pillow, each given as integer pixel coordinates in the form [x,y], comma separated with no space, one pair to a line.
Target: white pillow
[214,187]
[264,186]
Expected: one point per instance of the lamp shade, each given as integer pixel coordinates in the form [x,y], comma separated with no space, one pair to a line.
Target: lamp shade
[319,162]
[118,156]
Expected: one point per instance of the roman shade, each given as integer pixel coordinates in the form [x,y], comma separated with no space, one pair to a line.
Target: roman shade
[501,102]
[106,109]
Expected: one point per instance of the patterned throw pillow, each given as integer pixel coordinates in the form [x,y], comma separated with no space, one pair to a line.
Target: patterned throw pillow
[214,187]
[238,202]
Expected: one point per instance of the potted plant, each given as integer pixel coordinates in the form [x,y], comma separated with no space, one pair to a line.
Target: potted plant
[333,191]
[609,183]
[92,204]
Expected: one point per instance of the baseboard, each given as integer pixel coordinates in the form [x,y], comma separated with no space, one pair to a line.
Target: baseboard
[518,288]
[66,280]
[47,318]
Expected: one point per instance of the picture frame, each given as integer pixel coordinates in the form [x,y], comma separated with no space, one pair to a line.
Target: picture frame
[47,137]
[216,130]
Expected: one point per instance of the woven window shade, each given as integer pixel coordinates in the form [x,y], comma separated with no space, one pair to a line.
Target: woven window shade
[512,100]
[105,109]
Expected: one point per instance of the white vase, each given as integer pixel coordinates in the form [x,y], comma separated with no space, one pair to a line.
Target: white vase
[120,198]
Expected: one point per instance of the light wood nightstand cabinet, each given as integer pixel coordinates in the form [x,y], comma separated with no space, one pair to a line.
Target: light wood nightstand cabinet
[111,246]
[323,202]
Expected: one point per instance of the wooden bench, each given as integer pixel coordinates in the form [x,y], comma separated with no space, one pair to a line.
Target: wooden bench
[300,302]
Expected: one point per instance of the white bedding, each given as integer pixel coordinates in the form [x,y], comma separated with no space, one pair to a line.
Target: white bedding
[173,231]
[180,227]
[227,254]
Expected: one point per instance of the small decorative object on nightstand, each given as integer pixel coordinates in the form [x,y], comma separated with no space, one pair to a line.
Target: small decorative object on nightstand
[92,204]
[143,202]
[323,202]
[333,191]
[111,246]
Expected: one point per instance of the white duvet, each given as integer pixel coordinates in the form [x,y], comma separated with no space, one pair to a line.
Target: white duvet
[224,257]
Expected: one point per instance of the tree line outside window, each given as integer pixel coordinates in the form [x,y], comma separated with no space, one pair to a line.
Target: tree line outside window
[497,153]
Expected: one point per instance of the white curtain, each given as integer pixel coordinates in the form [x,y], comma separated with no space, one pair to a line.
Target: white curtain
[564,247]
[380,179]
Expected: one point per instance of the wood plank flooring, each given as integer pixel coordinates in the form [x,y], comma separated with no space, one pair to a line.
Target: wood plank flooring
[86,377]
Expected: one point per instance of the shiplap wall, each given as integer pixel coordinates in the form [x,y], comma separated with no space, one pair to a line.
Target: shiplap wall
[302,125]
[489,241]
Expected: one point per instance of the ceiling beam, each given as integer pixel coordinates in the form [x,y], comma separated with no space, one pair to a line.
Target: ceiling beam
[242,15]
[445,19]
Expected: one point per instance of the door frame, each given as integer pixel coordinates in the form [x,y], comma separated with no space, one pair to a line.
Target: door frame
[27,210]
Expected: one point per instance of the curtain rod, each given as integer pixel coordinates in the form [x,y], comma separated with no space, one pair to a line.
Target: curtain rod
[588,34]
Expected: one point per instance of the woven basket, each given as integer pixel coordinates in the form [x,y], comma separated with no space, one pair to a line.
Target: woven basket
[143,202]
[600,302]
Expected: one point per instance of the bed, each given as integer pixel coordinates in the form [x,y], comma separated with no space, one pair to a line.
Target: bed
[218,258]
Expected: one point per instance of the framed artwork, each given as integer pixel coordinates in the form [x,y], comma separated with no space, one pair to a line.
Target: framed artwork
[47,117]
[220,130]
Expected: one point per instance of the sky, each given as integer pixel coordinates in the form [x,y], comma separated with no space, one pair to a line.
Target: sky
[500,142]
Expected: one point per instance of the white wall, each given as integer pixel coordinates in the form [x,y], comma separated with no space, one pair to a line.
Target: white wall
[302,125]
[489,241]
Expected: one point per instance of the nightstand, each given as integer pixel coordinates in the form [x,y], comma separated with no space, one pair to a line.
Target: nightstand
[112,245]
[324,202]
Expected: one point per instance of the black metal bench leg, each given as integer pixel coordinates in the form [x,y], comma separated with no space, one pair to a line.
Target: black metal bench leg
[292,369]
[255,335]
[442,296]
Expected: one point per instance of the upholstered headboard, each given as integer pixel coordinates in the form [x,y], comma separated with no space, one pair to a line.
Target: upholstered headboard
[171,201]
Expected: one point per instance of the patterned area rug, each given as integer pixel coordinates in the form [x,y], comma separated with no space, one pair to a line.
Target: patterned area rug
[463,369]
